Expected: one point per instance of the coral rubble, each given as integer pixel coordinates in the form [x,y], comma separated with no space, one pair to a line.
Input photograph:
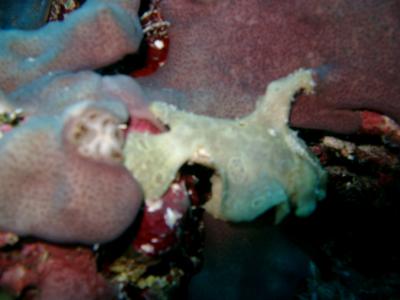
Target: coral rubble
[46,272]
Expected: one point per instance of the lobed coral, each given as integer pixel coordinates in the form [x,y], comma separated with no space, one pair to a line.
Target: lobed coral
[81,42]
[68,154]
[60,179]
[71,141]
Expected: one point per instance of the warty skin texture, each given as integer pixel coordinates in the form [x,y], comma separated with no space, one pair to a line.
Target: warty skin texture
[257,159]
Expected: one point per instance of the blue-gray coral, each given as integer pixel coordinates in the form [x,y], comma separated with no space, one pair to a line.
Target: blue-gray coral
[61,175]
[97,34]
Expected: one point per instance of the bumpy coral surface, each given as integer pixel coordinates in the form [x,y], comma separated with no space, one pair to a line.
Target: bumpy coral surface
[62,176]
[222,53]
[257,158]
[65,159]
[81,42]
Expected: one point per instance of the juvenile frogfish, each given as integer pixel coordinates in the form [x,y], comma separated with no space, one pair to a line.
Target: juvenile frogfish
[258,161]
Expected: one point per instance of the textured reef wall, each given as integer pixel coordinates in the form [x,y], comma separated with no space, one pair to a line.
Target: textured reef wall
[223,52]
[67,176]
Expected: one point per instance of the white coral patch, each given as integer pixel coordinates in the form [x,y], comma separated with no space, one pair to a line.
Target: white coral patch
[99,136]
[147,248]
[272,131]
[153,204]
[176,188]
[171,216]
[159,44]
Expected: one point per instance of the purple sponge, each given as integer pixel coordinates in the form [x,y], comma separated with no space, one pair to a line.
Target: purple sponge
[61,175]
[97,34]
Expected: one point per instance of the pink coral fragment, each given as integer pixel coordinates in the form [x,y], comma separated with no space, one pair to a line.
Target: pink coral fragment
[158,229]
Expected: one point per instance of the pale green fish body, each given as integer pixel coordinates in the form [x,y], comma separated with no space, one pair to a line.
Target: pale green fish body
[259,162]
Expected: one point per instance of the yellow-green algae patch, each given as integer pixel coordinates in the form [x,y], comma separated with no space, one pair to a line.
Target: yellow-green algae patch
[259,161]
